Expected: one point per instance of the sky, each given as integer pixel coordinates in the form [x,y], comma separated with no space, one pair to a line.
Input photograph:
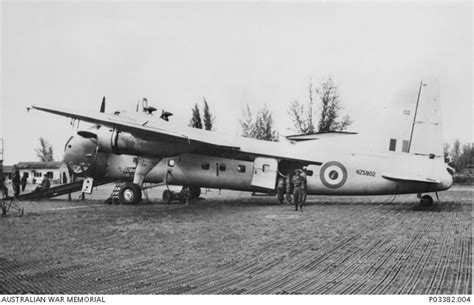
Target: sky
[70,54]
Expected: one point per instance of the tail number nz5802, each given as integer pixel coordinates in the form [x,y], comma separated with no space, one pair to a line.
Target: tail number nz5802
[364,172]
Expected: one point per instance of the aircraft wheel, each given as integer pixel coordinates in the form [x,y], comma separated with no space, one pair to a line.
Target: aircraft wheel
[195,192]
[167,196]
[130,193]
[426,200]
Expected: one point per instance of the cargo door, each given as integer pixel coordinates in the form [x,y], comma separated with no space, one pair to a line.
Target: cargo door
[264,172]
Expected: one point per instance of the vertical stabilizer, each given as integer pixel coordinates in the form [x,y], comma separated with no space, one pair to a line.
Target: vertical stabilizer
[426,133]
[413,121]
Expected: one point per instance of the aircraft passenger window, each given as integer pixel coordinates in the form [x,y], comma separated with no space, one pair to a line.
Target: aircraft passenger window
[309,173]
[393,145]
[265,168]
[241,168]
[205,165]
[222,167]
[171,162]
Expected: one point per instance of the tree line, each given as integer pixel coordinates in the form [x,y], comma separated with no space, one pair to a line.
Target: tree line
[459,156]
[322,113]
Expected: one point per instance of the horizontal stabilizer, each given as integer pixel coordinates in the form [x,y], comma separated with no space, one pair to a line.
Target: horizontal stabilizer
[405,178]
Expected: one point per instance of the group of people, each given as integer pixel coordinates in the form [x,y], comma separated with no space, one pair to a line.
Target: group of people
[19,183]
[295,188]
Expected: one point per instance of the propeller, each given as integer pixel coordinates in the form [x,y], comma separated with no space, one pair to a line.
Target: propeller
[102,106]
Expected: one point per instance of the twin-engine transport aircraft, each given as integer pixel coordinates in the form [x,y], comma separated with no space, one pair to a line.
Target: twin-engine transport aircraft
[160,152]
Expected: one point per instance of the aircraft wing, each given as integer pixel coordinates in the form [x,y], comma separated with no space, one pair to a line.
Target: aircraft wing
[140,128]
[207,142]
[405,178]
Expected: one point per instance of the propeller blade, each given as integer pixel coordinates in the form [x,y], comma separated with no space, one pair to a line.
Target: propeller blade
[102,106]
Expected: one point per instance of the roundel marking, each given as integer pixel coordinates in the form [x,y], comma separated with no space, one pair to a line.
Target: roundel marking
[333,174]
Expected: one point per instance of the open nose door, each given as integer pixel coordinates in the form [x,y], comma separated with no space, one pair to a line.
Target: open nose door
[264,173]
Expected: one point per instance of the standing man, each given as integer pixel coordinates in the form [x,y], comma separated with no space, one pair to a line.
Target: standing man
[299,182]
[281,189]
[23,182]
[289,188]
[3,188]
[16,180]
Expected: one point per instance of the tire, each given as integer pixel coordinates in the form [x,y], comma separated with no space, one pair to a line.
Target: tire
[130,193]
[195,192]
[426,200]
[167,196]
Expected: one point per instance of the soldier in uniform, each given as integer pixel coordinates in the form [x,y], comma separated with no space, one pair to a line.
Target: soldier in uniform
[281,189]
[3,188]
[16,181]
[23,182]
[299,182]
[289,188]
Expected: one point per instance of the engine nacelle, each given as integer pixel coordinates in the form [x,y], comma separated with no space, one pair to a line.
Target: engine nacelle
[112,140]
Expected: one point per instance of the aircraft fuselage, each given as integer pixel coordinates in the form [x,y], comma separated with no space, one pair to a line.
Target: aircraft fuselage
[337,173]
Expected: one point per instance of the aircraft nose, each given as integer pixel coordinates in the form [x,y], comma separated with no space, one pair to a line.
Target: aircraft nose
[79,155]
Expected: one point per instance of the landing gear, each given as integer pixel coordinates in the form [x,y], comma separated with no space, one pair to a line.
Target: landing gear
[130,193]
[426,200]
[183,195]
[195,192]
[167,196]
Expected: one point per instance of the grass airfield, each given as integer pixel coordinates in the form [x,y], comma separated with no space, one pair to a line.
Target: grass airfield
[234,243]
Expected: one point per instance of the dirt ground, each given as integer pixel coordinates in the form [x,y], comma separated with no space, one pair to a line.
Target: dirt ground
[235,243]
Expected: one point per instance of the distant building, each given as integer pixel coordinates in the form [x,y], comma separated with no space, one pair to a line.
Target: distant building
[57,172]
[7,172]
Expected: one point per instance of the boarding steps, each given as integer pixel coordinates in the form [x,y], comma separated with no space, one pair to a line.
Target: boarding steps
[127,175]
[62,189]
[7,203]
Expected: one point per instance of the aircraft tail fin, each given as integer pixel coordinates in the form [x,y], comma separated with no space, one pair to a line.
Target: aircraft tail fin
[426,136]
[419,131]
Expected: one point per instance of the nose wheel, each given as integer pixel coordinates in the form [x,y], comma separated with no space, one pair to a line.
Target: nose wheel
[130,193]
